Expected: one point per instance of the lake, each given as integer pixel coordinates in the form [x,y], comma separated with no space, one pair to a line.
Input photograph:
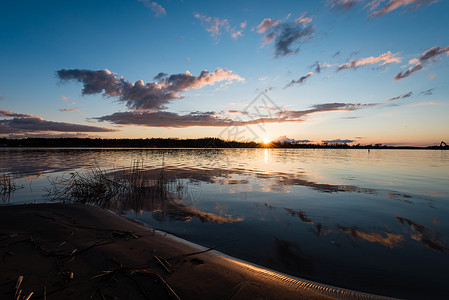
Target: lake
[375,221]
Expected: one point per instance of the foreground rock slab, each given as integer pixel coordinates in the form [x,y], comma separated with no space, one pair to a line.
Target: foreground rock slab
[65,251]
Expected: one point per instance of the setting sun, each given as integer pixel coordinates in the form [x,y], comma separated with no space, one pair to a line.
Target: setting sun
[266,141]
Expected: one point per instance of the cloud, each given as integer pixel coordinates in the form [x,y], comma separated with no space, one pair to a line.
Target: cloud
[74,109]
[234,112]
[409,94]
[8,113]
[299,81]
[343,4]
[50,135]
[64,98]
[168,119]
[37,124]
[94,82]
[216,119]
[304,20]
[266,24]
[237,33]
[22,123]
[285,139]
[427,92]
[378,8]
[424,103]
[392,5]
[326,107]
[432,76]
[157,9]
[337,141]
[386,58]
[286,35]
[318,66]
[418,63]
[215,25]
[153,95]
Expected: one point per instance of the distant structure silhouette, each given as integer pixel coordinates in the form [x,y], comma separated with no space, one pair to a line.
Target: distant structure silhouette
[443,145]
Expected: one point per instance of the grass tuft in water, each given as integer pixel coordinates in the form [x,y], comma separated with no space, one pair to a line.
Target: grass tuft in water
[133,186]
[7,187]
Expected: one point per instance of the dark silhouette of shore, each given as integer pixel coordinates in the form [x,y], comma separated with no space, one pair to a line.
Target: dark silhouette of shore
[184,143]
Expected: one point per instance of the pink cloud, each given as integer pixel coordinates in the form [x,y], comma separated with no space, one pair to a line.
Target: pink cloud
[215,25]
[266,24]
[386,58]
[157,9]
[303,20]
[395,4]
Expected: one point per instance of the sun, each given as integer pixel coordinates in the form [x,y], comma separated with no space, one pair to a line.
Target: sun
[266,141]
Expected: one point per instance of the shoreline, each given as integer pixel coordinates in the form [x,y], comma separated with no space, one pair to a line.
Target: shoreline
[203,143]
[76,252]
[218,148]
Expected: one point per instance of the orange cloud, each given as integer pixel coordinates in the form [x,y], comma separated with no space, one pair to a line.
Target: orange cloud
[386,58]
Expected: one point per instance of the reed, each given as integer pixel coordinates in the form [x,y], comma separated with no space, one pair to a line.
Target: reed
[132,185]
[7,186]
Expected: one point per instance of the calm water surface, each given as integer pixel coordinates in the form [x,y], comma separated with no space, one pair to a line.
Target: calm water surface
[374,221]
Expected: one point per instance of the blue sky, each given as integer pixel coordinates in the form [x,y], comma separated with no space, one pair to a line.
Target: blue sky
[135,69]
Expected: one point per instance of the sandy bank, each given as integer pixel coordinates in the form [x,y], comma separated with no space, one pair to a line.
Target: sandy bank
[82,252]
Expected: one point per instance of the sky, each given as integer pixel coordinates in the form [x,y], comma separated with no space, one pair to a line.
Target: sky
[355,71]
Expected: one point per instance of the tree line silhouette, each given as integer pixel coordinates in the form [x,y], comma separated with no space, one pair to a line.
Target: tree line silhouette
[208,142]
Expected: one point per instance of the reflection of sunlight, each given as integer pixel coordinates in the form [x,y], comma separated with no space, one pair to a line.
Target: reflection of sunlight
[266,156]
